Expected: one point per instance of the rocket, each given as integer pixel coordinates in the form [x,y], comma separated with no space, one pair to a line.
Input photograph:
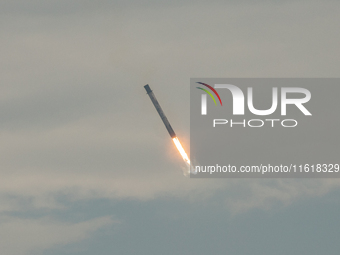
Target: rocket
[171,131]
[160,111]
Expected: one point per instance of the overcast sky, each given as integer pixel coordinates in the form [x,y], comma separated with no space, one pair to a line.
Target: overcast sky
[87,166]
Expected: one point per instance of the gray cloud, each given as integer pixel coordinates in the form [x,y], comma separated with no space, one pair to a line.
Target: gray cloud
[75,118]
[23,236]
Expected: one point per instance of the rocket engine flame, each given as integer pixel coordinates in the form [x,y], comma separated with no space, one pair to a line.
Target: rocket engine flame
[181,150]
[191,168]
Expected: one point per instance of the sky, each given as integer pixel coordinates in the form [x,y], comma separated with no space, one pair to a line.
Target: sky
[86,164]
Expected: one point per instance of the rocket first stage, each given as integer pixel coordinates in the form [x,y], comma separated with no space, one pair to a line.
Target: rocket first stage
[160,111]
[170,130]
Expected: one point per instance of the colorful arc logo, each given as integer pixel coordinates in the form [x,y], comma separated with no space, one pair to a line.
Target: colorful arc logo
[208,92]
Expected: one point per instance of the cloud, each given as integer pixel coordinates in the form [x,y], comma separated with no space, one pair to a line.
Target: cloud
[27,236]
[276,193]
[76,124]
[75,119]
